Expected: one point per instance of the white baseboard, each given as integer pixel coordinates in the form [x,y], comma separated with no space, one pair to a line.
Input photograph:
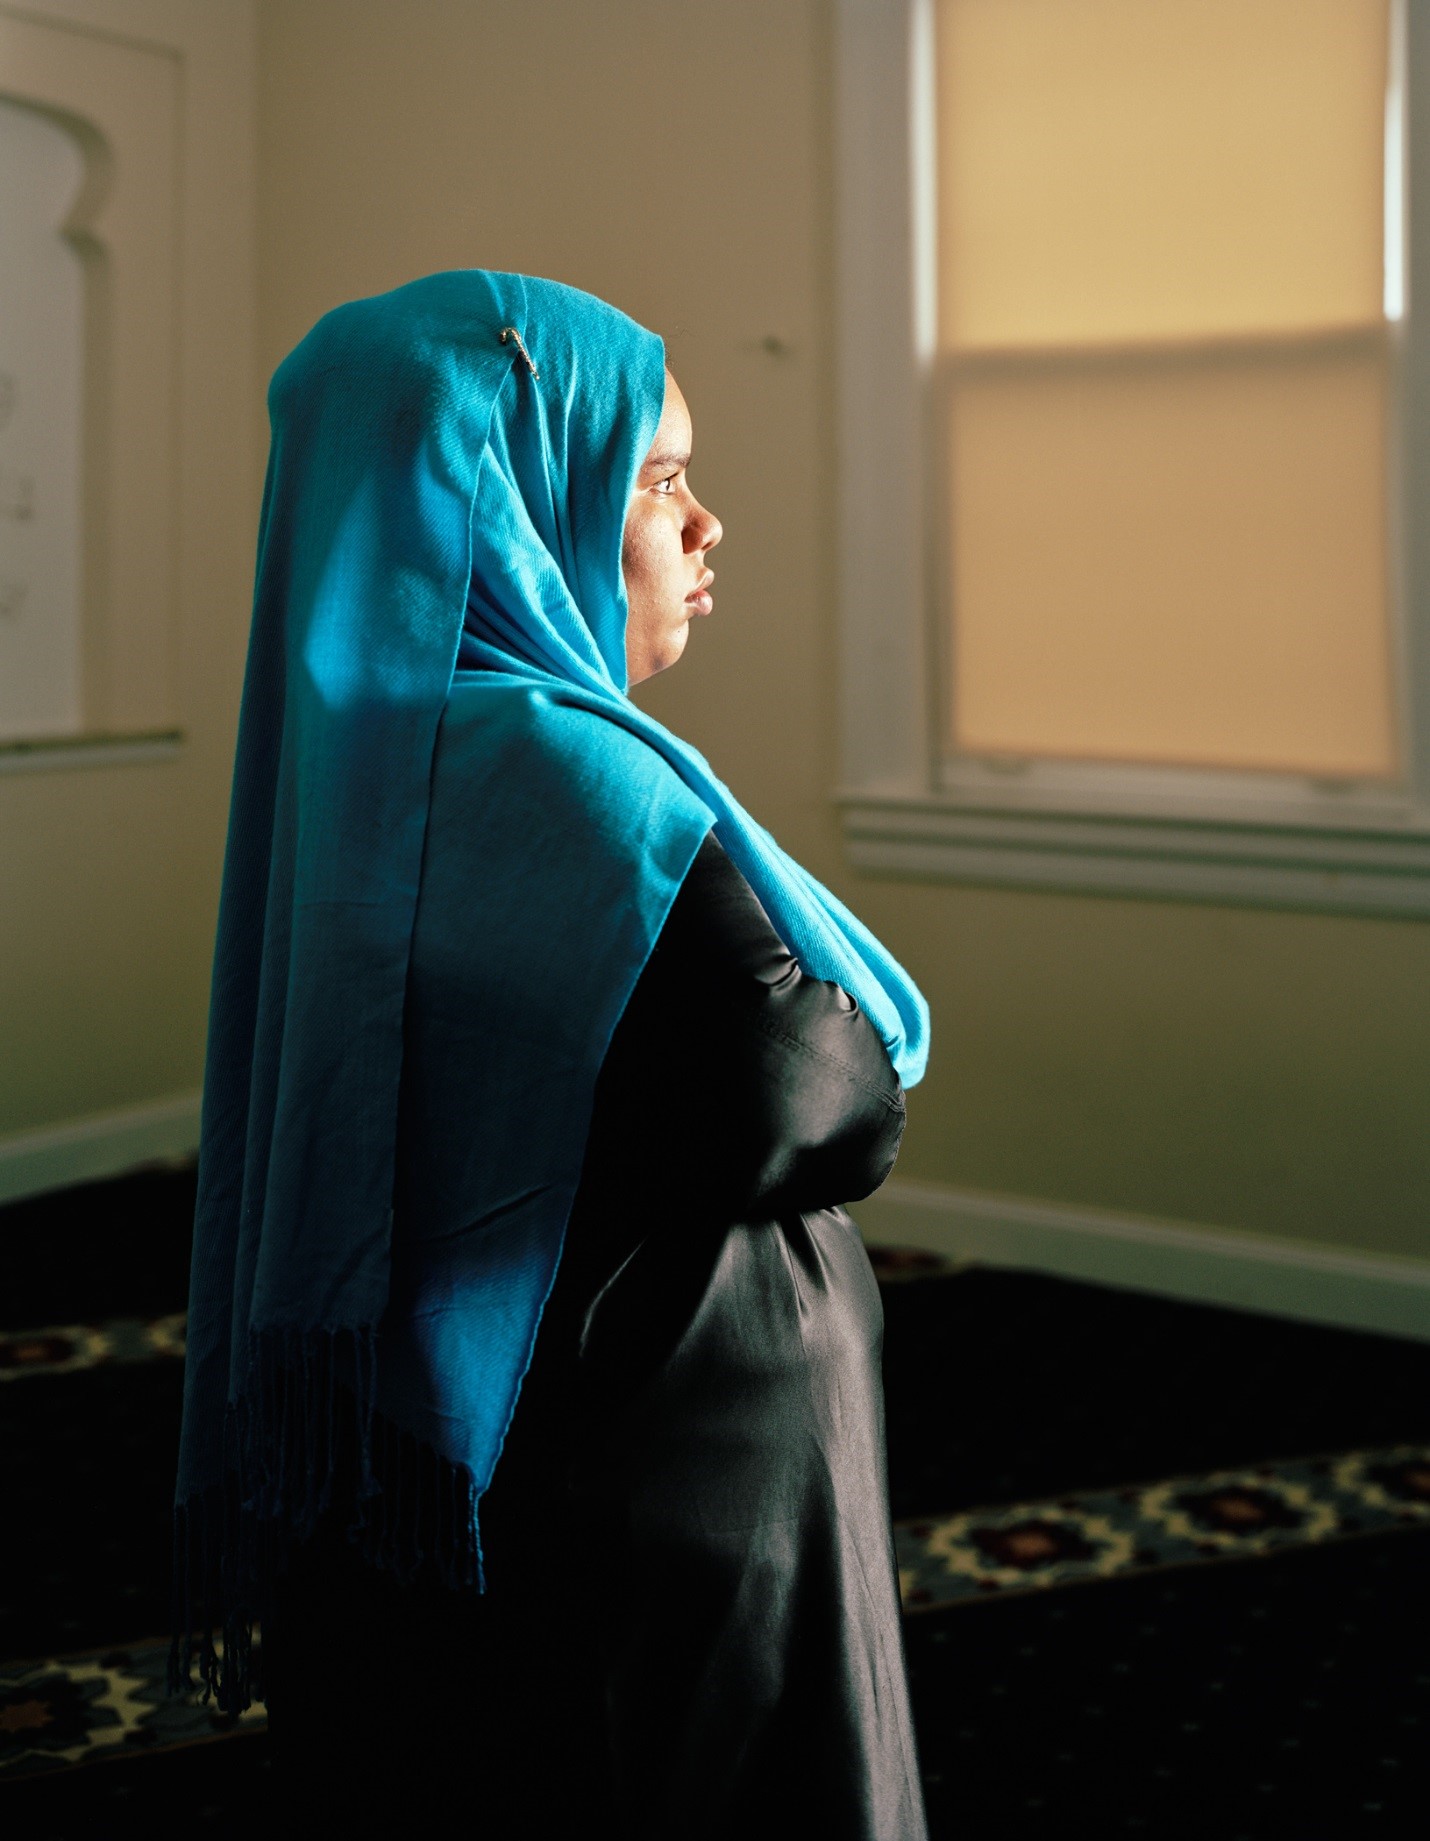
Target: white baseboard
[1205,1265]
[103,1144]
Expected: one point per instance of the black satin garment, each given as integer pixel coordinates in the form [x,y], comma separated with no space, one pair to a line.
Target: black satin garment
[691,1627]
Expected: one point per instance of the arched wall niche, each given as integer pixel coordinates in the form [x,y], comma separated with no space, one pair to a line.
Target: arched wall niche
[45,323]
[117,106]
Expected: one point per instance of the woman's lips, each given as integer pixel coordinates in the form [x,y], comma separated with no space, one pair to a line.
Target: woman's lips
[698,600]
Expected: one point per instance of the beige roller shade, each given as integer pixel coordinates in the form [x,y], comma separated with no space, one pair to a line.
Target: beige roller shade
[1163,381]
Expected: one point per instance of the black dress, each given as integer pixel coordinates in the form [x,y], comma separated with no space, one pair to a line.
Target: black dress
[691,1627]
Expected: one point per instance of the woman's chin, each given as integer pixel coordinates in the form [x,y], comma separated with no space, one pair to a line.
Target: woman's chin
[659,655]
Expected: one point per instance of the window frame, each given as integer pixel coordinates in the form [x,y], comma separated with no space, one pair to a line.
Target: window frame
[1263,839]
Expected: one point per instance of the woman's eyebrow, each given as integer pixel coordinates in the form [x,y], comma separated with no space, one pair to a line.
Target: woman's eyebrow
[670,459]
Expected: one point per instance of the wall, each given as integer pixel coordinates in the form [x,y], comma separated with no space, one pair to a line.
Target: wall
[110,873]
[1253,1070]
[1257,1071]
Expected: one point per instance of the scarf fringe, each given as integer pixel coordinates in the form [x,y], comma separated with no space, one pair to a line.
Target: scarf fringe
[303,1441]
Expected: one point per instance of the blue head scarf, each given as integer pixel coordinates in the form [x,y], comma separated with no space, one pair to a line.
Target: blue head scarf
[452,843]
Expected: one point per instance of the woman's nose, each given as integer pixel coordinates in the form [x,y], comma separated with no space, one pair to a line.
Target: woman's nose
[704,531]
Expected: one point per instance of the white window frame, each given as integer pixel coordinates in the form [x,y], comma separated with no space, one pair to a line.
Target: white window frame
[1278,840]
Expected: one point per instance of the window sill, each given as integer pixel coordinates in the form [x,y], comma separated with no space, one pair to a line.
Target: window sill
[1372,862]
[45,753]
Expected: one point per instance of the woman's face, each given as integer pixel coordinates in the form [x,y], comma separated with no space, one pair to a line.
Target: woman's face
[667,534]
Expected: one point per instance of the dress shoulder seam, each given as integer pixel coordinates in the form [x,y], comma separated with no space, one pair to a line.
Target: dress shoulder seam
[895,1105]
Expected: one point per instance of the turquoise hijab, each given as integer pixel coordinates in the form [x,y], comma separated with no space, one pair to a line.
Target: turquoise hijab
[453,841]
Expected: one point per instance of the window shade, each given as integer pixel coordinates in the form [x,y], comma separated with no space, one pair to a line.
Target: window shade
[1163,381]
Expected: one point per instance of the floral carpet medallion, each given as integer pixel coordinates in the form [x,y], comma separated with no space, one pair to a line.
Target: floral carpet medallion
[70,1348]
[1017,1733]
[81,1709]
[1229,1514]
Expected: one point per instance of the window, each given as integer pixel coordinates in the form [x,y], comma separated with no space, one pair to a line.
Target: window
[1130,284]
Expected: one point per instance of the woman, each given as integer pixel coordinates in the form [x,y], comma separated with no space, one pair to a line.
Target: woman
[502,970]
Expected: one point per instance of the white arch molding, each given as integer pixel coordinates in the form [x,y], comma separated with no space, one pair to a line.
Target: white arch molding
[88,351]
[42,169]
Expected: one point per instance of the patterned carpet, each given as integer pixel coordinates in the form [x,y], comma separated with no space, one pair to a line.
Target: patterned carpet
[1166,1569]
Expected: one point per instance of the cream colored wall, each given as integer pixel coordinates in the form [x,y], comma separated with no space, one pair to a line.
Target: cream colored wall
[1254,1070]
[110,873]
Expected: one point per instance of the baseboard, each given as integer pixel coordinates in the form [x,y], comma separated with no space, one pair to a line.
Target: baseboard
[1205,1265]
[103,1144]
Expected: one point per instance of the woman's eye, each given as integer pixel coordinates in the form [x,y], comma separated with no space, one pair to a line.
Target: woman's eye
[666,486]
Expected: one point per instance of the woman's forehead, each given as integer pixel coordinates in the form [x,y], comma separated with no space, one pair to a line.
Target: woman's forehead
[675,415]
